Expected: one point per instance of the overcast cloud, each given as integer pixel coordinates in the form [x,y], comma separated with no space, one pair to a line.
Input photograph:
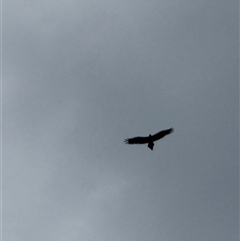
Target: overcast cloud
[81,76]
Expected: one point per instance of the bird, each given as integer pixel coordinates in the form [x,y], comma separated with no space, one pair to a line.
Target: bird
[149,139]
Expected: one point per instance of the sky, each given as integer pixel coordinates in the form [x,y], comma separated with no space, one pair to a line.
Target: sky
[79,77]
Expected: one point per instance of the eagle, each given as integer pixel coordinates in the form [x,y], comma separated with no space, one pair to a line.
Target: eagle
[149,139]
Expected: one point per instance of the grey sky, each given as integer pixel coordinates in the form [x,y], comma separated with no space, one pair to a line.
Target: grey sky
[81,76]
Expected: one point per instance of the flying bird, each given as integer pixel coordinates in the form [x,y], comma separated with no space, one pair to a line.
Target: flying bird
[149,139]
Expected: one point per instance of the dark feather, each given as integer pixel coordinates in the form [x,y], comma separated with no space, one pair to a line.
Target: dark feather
[137,140]
[161,134]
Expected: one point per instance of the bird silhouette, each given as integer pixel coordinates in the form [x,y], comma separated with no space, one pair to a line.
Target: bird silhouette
[149,139]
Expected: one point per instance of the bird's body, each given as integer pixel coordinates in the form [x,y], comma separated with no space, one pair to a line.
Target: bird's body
[150,139]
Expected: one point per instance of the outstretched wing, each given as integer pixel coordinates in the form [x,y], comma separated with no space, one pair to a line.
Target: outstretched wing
[161,134]
[137,140]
